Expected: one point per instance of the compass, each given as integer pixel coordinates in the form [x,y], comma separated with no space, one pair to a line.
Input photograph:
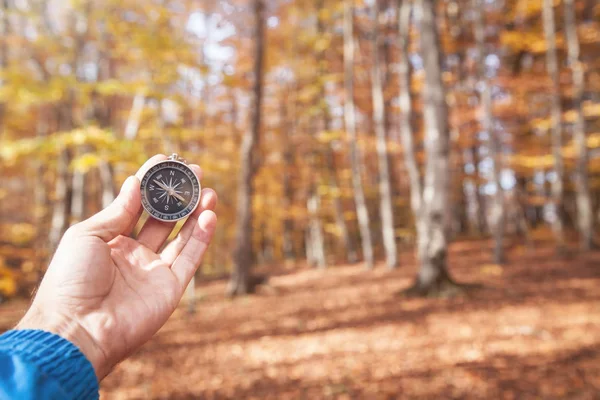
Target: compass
[170,190]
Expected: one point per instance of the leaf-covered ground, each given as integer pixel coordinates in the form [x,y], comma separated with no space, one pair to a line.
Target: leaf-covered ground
[532,331]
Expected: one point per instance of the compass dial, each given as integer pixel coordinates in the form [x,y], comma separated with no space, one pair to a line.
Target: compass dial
[170,191]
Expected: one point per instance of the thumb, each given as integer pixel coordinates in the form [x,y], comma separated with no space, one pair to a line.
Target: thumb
[119,215]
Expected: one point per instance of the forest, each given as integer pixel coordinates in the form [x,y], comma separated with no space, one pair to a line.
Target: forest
[420,178]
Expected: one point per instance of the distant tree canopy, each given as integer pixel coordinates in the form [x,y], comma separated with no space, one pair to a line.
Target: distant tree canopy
[379,124]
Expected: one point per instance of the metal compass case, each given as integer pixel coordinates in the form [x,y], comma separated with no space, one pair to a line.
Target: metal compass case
[170,190]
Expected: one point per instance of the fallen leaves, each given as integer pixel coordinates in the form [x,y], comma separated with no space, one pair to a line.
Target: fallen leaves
[532,332]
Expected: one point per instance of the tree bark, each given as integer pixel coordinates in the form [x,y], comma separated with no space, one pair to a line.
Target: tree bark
[242,258]
[406,131]
[77,206]
[585,219]
[60,213]
[494,142]
[362,213]
[102,114]
[556,116]
[480,212]
[4,31]
[338,208]
[433,276]
[315,230]
[313,203]
[78,197]
[41,199]
[329,155]
[379,121]
[106,180]
[288,159]
[133,121]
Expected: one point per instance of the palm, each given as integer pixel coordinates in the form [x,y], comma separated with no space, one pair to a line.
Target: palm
[118,290]
[121,283]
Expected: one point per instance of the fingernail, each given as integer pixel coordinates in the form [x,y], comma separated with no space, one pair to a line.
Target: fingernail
[207,221]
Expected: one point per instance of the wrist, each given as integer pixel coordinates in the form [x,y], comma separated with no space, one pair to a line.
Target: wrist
[69,329]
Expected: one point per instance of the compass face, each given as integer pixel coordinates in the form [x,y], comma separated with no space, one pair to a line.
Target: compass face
[170,191]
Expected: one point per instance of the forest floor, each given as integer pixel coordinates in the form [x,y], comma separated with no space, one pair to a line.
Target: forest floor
[531,331]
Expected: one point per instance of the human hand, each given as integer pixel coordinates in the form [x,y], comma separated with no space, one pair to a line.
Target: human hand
[108,293]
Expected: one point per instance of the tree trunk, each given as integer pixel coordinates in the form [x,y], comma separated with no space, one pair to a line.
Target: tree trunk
[315,230]
[338,208]
[133,121]
[556,115]
[585,219]
[494,142]
[313,203]
[340,220]
[481,206]
[521,211]
[78,197]
[41,200]
[362,213]
[461,223]
[406,132]
[242,258]
[308,247]
[102,114]
[60,213]
[4,31]
[106,180]
[288,159]
[379,121]
[432,243]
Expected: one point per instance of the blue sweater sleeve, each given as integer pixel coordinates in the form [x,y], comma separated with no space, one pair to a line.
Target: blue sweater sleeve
[41,365]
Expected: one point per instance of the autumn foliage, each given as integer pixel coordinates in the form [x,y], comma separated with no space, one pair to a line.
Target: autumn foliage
[335,132]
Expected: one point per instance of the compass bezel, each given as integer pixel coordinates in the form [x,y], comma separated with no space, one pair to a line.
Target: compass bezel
[196,187]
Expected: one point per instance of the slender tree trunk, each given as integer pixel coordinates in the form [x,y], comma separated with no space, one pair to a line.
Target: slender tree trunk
[77,206]
[4,31]
[133,121]
[239,282]
[481,206]
[288,121]
[406,132]
[432,244]
[103,115]
[106,180]
[315,230]
[63,190]
[521,223]
[308,247]
[556,116]
[338,208]
[41,200]
[387,73]
[494,142]
[60,213]
[585,219]
[317,239]
[78,197]
[350,122]
[340,220]
[462,223]
[379,121]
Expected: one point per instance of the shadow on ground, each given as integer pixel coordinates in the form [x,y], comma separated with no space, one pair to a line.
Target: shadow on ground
[532,331]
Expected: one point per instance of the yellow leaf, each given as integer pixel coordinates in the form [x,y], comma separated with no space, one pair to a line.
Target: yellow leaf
[491,269]
[86,162]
